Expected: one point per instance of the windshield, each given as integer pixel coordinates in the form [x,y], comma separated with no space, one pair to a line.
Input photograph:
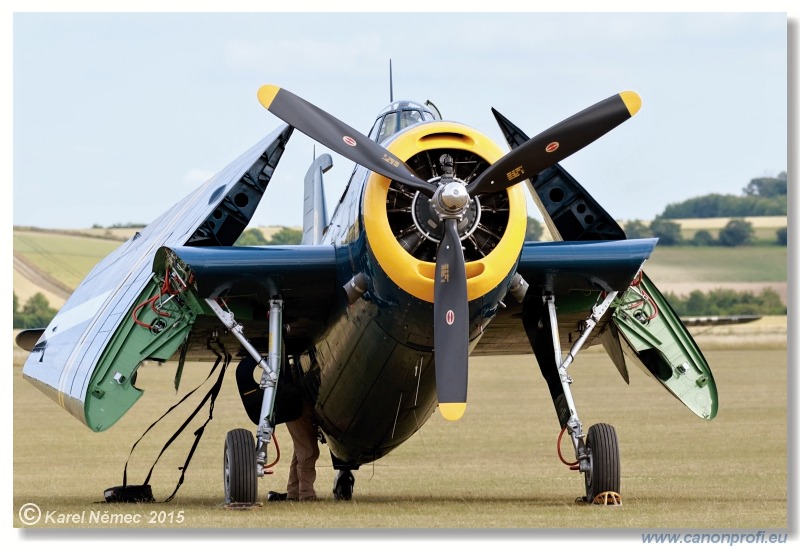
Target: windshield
[399,116]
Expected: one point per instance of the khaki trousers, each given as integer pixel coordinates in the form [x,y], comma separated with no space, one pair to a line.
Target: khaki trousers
[303,472]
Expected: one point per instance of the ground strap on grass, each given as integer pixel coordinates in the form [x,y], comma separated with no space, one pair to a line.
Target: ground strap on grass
[143,493]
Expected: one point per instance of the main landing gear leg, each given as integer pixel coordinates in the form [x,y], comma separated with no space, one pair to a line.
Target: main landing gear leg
[597,458]
[244,461]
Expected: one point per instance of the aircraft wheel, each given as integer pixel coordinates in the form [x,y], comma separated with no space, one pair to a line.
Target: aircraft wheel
[343,485]
[241,481]
[604,474]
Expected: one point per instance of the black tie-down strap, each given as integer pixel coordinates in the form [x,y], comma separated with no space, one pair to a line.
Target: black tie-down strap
[144,493]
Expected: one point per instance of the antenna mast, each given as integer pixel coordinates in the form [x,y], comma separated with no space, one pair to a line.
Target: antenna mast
[391,88]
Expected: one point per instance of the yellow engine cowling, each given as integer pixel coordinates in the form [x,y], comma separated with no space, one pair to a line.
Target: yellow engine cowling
[491,248]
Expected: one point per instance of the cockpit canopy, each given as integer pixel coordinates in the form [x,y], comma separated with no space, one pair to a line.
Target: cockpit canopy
[399,115]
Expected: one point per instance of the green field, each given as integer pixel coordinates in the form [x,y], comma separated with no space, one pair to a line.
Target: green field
[67,258]
[496,468]
[746,264]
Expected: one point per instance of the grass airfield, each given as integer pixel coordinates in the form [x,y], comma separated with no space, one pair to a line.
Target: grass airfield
[496,468]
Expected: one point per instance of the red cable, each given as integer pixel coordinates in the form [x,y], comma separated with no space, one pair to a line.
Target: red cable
[137,308]
[277,452]
[558,447]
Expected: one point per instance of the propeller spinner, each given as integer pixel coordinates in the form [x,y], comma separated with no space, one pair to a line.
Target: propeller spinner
[450,199]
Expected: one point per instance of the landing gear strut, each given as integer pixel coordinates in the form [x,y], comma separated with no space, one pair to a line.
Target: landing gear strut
[244,461]
[597,456]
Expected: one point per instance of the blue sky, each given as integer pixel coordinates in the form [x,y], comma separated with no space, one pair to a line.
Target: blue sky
[118,116]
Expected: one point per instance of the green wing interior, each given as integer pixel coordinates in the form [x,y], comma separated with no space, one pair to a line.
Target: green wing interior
[171,319]
[652,336]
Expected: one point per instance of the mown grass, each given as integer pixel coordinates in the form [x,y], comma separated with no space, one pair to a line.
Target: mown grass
[496,468]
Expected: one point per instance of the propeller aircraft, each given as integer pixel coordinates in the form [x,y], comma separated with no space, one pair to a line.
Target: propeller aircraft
[374,316]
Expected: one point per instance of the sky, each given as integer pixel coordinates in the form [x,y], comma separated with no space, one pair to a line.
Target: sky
[117,116]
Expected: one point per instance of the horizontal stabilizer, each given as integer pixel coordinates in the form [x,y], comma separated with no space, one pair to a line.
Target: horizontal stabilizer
[28,337]
[716,320]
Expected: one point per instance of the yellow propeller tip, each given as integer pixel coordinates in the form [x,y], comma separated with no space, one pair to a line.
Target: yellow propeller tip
[267,93]
[452,411]
[632,101]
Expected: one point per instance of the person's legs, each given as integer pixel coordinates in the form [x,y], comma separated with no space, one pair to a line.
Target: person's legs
[293,485]
[303,471]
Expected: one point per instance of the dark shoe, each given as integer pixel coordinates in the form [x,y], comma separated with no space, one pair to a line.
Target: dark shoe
[272,496]
[309,499]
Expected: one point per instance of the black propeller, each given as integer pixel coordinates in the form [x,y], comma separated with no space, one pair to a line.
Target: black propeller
[557,143]
[451,199]
[451,323]
[338,136]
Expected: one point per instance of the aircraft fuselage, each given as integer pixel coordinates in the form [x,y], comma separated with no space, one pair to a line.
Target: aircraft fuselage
[371,373]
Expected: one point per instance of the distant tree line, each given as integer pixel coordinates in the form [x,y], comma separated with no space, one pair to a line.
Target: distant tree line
[724,301]
[36,313]
[287,235]
[737,232]
[534,230]
[762,197]
[254,237]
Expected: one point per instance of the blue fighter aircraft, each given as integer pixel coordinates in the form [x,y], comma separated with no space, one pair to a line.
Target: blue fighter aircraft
[422,264]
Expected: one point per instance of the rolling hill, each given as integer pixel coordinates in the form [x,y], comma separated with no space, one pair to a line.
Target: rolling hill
[54,262]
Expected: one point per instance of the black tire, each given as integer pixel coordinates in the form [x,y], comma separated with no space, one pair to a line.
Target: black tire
[604,475]
[239,468]
[343,485]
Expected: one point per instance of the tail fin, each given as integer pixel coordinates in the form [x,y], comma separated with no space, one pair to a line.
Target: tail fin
[315,214]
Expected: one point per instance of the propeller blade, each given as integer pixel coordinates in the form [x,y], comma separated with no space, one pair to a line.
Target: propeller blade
[557,143]
[338,136]
[451,324]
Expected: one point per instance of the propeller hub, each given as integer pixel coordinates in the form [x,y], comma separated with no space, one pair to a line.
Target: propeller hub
[451,200]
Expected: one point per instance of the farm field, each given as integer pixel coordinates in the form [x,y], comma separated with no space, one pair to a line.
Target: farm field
[53,258]
[763,226]
[681,269]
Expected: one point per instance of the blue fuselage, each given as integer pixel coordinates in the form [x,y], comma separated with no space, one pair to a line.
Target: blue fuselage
[371,373]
